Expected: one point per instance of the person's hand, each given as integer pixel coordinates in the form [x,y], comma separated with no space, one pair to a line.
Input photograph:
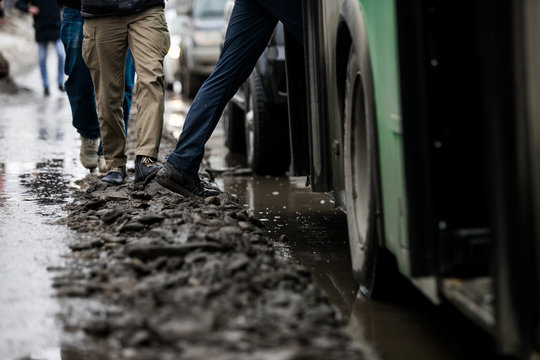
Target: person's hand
[34,10]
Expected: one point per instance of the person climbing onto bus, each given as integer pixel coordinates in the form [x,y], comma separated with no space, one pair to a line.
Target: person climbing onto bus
[250,28]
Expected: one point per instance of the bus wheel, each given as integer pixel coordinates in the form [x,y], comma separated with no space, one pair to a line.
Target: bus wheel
[266,132]
[359,164]
[233,123]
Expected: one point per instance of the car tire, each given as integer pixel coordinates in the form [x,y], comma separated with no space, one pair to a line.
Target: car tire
[190,82]
[372,265]
[190,85]
[267,132]
[233,123]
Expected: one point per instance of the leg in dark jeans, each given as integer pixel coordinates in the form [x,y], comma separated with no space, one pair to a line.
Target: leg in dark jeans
[78,85]
[250,28]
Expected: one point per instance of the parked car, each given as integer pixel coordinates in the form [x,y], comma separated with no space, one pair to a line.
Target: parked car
[171,63]
[256,118]
[200,42]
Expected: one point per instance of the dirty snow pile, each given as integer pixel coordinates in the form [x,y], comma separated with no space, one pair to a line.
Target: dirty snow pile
[154,275]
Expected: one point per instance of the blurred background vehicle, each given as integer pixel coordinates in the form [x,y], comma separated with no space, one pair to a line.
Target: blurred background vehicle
[171,63]
[200,37]
[256,118]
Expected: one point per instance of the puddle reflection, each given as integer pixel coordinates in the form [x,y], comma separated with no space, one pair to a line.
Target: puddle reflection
[48,184]
[2,184]
[310,231]
[175,113]
[308,228]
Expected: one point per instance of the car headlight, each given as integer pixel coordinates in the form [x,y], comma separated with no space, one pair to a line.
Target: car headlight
[174,52]
[207,38]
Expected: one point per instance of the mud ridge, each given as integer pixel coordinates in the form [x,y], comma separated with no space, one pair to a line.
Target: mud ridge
[155,275]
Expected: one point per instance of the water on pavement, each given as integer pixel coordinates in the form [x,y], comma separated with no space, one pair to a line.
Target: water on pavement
[39,147]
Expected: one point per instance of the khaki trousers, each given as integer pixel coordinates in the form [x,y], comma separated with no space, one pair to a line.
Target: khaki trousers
[105,44]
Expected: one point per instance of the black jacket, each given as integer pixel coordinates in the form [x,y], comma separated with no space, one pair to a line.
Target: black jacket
[76,4]
[97,8]
[47,22]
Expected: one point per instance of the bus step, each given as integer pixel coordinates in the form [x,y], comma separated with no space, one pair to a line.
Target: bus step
[474,297]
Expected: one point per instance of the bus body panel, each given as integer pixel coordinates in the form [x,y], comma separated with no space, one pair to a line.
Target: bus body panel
[382,40]
[457,130]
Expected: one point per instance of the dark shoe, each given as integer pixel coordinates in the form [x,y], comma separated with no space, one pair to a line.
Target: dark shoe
[46,92]
[61,87]
[115,175]
[145,169]
[182,182]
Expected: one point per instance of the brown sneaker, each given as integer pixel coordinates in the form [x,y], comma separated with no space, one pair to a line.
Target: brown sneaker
[146,169]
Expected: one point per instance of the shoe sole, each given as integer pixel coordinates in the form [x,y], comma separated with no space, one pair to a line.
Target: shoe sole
[174,187]
[90,166]
[112,182]
[148,179]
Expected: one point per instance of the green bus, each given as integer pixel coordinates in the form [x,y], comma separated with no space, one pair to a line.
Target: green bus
[421,118]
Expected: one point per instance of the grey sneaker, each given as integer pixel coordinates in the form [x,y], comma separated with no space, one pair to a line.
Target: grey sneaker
[88,154]
[102,165]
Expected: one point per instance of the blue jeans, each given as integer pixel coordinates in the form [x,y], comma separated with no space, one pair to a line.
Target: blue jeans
[79,86]
[250,28]
[42,55]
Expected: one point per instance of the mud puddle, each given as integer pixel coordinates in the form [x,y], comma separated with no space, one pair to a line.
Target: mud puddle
[309,231]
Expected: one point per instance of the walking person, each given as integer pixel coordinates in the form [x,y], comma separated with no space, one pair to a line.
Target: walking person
[80,89]
[2,14]
[46,15]
[108,31]
[250,27]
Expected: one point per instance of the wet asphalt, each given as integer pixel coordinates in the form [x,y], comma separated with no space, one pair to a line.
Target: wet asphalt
[40,155]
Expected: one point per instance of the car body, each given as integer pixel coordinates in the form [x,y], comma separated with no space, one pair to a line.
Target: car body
[256,118]
[200,42]
[171,62]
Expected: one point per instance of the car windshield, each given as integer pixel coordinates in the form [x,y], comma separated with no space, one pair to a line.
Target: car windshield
[208,8]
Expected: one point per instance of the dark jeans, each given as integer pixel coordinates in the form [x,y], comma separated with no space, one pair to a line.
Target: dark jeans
[79,86]
[250,28]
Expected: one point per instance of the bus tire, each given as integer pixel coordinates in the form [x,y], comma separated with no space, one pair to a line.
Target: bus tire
[360,170]
[266,132]
[233,123]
